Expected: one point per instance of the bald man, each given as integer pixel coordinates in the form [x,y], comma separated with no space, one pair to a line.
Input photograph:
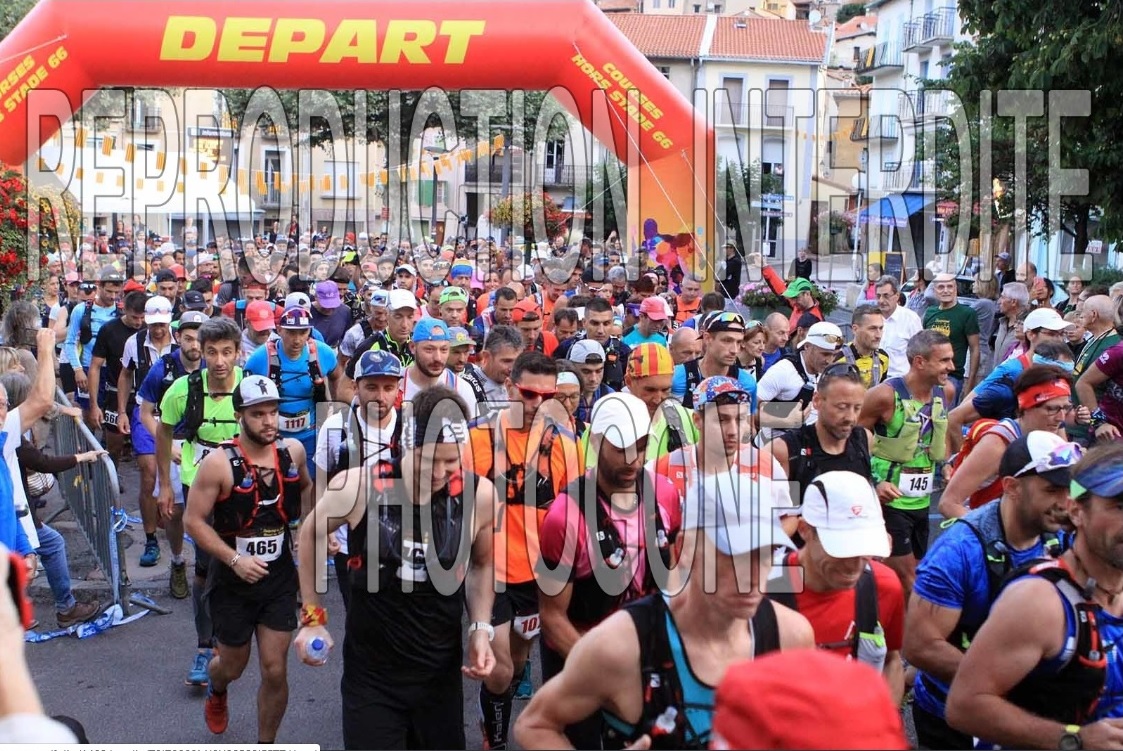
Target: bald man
[685,346]
[776,325]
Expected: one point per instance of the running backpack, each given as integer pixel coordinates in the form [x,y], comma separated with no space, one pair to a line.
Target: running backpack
[319,388]
[980,428]
[693,370]
[866,616]
[193,416]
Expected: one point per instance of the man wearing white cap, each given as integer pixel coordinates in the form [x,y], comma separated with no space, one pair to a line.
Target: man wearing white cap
[855,604]
[142,349]
[718,616]
[791,382]
[585,583]
[395,339]
[588,357]
[960,324]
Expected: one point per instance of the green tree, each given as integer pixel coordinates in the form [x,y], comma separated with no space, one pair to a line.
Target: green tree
[11,13]
[846,12]
[1041,46]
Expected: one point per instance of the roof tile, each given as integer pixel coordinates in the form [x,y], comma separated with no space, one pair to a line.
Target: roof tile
[662,36]
[761,39]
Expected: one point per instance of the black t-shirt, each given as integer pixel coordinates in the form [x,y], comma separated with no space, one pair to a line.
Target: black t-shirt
[807,459]
[110,345]
[732,282]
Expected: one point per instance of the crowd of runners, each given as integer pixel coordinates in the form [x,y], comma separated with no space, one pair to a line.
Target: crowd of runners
[569,457]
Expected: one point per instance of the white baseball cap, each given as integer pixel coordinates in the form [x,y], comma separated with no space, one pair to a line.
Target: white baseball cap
[297,300]
[584,349]
[846,514]
[1046,318]
[734,512]
[158,310]
[824,335]
[406,267]
[622,419]
[402,298]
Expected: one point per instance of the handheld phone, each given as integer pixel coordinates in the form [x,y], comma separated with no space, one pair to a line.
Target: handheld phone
[17,586]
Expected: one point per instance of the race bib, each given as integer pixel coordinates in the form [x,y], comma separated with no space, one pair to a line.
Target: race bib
[294,423]
[265,548]
[413,562]
[109,418]
[527,626]
[916,484]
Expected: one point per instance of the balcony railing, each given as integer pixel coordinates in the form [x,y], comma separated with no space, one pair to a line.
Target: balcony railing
[565,174]
[884,55]
[921,105]
[885,127]
[896,179]
[756,116]
[930,30]
[861,129]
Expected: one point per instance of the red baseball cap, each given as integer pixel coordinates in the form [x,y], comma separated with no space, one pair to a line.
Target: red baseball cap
[259,315]
[132,286]
[526,307]
[807,699]
[654,308]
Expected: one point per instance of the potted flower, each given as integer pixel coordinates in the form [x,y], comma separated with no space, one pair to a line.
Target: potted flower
[759,298]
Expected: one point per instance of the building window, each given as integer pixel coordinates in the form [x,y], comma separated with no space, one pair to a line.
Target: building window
[272,161]
[656,4]
[857,54]
[665,70]
[732,109]
[776,108]
[697,8]
[716,7]
[671,4]
[342,179]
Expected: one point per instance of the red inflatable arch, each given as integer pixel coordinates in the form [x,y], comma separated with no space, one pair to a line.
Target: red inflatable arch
[78,45]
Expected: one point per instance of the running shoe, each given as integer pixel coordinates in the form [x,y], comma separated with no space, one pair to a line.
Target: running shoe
[198,675]
[179,587]
[526,685]
[151,554]
[216,713]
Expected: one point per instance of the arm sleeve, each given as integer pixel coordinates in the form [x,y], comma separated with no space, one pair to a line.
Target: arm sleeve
[71,345]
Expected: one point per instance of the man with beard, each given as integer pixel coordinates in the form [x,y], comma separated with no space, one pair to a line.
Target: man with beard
[403,680]
[199,405]
[833,443]
[649,671]
[430,343]
[257,489]
[1037,675]
[186,358]
[960,578]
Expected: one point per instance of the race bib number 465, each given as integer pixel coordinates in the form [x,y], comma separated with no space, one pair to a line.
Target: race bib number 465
[265,548]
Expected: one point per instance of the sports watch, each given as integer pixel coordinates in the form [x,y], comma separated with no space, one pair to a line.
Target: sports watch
[1071,740]
[490,631]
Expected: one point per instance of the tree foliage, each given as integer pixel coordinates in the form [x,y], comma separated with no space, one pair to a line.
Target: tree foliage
[465,126]
[536,208]
[851,10]
[1039,49]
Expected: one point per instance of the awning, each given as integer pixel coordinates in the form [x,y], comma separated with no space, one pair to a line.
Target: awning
[894,210]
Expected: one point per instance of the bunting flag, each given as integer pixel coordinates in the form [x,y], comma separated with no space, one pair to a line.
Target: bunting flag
[80,137]
[325,183]
[130,153]
[107,145]
[161,160]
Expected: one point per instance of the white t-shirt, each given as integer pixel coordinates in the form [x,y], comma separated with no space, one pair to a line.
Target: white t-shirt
[130,357]
[376,448]
[13,436]
[782,383]
[449,380]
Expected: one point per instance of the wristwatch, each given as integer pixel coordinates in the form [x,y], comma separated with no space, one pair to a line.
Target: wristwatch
[1071,740]
[482,626]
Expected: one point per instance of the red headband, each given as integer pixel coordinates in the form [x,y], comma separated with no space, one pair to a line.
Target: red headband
[1043,392]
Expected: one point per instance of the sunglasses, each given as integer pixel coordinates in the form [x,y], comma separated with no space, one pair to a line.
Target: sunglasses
[1054,411]
[1065,455]
[834,339]
[535,394]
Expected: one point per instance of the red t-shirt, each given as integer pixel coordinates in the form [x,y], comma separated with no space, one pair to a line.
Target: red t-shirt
[1111,364]
[831,614]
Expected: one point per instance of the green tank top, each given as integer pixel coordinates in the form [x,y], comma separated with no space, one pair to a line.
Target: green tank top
[907,453]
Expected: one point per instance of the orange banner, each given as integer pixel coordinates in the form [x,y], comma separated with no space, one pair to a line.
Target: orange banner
[383,44]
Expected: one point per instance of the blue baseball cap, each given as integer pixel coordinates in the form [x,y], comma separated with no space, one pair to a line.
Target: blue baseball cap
[378,364]
[295,318]
[431,330]
[460,269]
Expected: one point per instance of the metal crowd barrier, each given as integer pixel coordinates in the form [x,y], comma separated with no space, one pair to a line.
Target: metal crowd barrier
[92,493]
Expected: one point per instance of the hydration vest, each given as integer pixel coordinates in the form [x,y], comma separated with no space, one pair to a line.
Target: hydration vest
[905,446]
[319,386]
[807,459]
[244,513]
[86,327]
[193,412]
[1071,693]
[868,632]
[664,716]
[511,483]
[144,360]
[850,357]
[1008,430]
[694,377]
[590,604]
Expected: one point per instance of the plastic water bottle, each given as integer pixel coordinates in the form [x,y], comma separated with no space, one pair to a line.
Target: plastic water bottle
[318,650]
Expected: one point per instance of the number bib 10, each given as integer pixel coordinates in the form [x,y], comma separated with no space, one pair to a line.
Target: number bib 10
[527,626]
[266,547]
[916,483]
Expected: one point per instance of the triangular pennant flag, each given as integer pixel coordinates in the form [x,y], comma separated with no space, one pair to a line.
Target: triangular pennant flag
[179,186]
[326,183]
[80,137]
[243,182]
[384,176]
[259,181]
[78,173]
[161,160]
[107,145]
[130,153]
[223,173]
[43,165]
[140,183]
[99,178]
[497,142]
[160,186]
[120,181]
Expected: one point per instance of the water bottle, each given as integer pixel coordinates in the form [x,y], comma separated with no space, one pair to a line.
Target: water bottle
[318,650]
